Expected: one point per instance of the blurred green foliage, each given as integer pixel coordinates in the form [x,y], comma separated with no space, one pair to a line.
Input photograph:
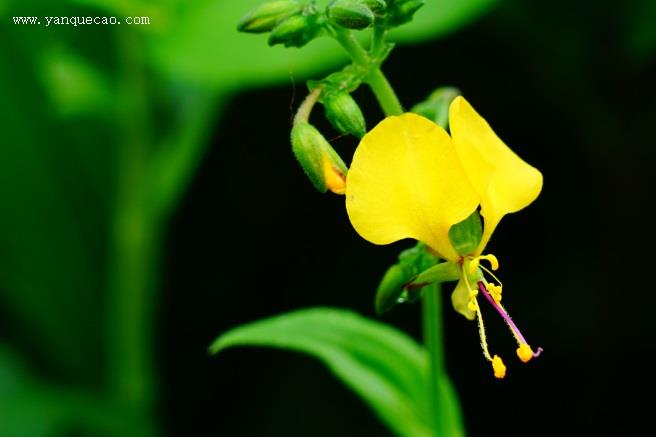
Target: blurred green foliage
[102,128]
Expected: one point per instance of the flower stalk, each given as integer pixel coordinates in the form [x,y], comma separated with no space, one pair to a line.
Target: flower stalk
[434,343]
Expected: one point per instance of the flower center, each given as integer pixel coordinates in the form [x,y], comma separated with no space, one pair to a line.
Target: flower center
[492,293]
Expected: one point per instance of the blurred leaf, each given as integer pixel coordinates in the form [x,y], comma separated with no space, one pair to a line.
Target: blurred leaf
[382,365]
[203,46]
[179,155]
[75,86]
[29,408]
[111,6]
[51,225]
[438,18]
[640,29]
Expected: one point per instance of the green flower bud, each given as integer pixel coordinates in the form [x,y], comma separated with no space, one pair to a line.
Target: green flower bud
[466,235]
[376,6]
[295,31]
[402,11]
[344,113]
[319,161]
[351,14]
[265,17]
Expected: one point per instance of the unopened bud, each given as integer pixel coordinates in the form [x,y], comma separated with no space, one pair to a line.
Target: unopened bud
[344,113]
[376,6]
[402,11]
[319,161]
[295,31]
[350,14]
[265,17]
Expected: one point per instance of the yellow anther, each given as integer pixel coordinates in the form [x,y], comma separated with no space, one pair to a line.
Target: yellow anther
[525,353]
[473,293]
[492,288]
[498,367]
[473,305]
[495,292]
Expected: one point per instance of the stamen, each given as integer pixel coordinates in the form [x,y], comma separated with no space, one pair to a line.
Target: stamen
[498,367]
[493,275]
[524,352]
[495,291]
[481,333]
[497,364]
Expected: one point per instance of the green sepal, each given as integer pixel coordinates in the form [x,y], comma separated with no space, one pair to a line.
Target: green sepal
[392,288]
[350,14]
[436,106]
[401,11]
[442,272]
[267,16]
[344,113]
[311,150]
[297,30]
[466,235]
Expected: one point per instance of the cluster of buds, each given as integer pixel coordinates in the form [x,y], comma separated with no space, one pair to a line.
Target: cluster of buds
[319,160]
[295,23]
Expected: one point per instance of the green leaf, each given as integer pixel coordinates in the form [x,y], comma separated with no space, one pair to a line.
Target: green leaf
[382,365]
[202,46]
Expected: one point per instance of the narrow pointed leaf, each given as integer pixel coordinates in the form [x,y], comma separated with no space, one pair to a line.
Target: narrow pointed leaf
[382,365]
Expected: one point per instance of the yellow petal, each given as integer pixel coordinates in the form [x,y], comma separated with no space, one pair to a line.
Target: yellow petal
[405,181]
[504,182]
[460,300]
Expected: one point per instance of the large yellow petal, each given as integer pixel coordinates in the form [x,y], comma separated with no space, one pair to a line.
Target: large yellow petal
[405,181]
[504,182]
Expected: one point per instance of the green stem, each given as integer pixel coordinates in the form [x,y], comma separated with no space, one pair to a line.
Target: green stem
[177,158]
[133,246]
[355,51]
[432,321]
[378,41]
[384,93]
[305,108]
[375,78]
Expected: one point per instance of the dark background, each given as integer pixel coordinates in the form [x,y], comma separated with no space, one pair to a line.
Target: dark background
[570,86]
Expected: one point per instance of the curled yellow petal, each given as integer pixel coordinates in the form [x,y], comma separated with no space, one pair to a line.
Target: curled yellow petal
[405,181]
[504,182]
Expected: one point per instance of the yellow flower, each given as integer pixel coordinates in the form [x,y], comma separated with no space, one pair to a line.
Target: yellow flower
[410,179]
